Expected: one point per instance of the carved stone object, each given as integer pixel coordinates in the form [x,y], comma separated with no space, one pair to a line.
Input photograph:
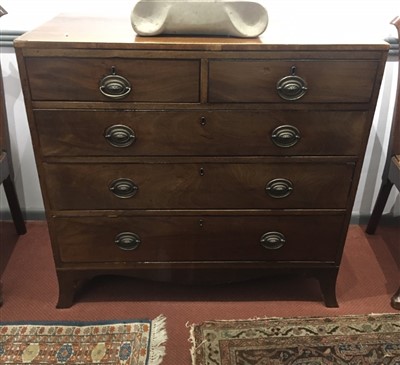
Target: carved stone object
[208,17]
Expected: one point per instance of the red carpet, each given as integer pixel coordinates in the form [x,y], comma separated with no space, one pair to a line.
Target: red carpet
[369,275]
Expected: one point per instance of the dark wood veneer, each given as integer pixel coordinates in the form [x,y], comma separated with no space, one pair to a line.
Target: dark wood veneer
[199,132]
[204,125]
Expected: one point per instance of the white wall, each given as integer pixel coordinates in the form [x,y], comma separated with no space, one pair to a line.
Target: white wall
[371,173]
[325,17]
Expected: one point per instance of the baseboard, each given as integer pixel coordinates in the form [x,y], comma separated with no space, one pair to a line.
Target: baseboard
[386,219]
[28,215]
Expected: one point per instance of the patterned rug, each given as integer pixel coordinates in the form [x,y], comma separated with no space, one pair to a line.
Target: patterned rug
[138,342]
[361,340]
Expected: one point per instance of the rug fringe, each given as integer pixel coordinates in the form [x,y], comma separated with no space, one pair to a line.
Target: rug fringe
[157,340]
[193,348]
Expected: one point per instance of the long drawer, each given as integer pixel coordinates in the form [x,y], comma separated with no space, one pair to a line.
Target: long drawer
[92,79]
[198,238]
[201,133]
[308,81]
[198,185]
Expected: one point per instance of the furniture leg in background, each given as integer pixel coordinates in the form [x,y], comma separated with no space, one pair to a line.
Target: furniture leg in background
[6,171]
[391,172]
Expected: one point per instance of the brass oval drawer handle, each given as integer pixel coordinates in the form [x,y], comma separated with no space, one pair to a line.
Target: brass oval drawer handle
[279,188]
[127,241]
[115,86]
[119,135]
[285,136]
[291,87]
[272,240]
[123,188]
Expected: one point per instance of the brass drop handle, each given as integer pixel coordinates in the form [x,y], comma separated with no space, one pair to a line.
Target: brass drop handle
[115,86]
[285,136]
[120,136]
[279,188]
[123,188]
[127,241]
[272,240]
[291,87]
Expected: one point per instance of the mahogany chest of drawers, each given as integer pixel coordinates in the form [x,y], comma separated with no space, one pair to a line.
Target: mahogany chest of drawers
[192,158]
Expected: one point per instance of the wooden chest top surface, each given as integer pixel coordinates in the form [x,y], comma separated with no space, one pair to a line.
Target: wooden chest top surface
[71,31]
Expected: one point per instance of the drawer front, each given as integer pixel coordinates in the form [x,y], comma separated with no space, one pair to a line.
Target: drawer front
[198,238]
[201,133]
[198,186]
[315,81]
[80,79]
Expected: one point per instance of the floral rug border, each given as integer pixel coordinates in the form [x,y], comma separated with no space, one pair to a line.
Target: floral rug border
[136,341]
[210,339]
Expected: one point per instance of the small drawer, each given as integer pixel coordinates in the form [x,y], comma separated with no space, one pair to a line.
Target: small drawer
[312,81]
[97,79]
[200,133]
[280,185]
[199,238]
